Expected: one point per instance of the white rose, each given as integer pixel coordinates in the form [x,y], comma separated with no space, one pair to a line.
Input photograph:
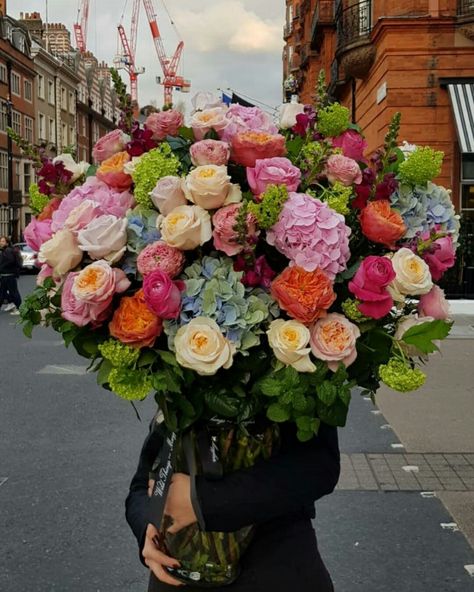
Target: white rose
[204,121]
[130,166]
[289,341]
[403,325]
[168,194]
[209,186]
[288,113]
[185,227]
[413,275]
[61,252]
[104,238]
[76,168]
[201,346]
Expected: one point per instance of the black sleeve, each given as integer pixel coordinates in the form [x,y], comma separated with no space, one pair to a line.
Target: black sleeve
[136,504]
[289,481]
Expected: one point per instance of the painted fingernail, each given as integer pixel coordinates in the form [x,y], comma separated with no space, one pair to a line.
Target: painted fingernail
[156,540]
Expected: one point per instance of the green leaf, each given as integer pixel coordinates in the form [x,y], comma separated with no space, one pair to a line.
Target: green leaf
[186,133]
[168,358]
[345,395]
[327,393]
[278,413]
[28,329]
[221,404]
[91,171]
[270,386]
[103,373]
[335,415]
[146,358]
[422,336]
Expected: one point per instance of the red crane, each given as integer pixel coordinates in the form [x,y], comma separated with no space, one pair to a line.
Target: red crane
[80,27]
[169,66]
[126,60]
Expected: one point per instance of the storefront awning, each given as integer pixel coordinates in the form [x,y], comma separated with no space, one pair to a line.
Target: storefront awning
[462,99]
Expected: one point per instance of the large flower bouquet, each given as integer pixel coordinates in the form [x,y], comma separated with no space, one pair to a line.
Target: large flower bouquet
[243,271]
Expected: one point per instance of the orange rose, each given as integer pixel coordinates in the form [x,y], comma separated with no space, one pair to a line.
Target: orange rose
[250,146]
[49,209]
[111,172]
[134,323]
[381,224]
[305,295]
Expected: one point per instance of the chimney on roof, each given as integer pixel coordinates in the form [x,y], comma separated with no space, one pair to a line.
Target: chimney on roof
[3,7]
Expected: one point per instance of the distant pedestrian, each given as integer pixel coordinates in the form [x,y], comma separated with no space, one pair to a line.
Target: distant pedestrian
[10,266]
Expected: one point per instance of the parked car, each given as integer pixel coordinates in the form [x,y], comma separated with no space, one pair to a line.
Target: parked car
[28,256]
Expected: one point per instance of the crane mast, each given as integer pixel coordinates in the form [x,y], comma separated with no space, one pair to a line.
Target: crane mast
[127,59]
[80,27]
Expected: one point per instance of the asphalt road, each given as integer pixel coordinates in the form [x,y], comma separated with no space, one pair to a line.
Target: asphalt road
[68,450]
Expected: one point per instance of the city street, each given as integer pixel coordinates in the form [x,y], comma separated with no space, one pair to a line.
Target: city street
[68,450]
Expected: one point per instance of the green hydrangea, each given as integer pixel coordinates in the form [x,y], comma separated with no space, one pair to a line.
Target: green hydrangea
[313,156]
[421,166]
[350,308]
[333,120]
[38,200]
[130,384]
[400,377]
[119,354]
[159,162]
[268,210]
[338,197]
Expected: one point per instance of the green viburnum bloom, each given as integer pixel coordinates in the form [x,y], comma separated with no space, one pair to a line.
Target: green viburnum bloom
[130,384]
[119,354]
[400,377]
[350,308]
[268,210]
[338,197]
[38,200]
[333,120]
[153,165]
[421,166]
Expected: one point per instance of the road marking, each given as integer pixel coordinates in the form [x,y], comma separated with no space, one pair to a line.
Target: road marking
[43,343]
[428,494]
[3,480]
[452,526]
[397,445]
[376,412]
[411,469]
[386,426]
[64,369]
[470,570]
[368,399]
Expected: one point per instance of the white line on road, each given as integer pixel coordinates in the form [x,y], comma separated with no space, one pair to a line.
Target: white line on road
[397,445]
[470,570]
[386,426]
[411,469]
[3,480]
[64,369]
[452,526]
[376,412]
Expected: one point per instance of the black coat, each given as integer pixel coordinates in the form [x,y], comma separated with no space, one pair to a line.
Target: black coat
[8,261]
[277,495]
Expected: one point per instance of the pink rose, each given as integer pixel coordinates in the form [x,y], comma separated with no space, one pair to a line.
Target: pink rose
[37,233]
[161,256]
[333,339]
[225,236]
[168,194]
[441,257]
[98,282]
[109,145]
[273,171]
[210,152]
[249,146]
[209,119]
[369,285]
[434,304]
[113,202]
[46,271]
[80,312]
[162,295]
[353,145]
[242,119]
[343,169]
[112,172]
[104,238]
[82,214]
[164,123]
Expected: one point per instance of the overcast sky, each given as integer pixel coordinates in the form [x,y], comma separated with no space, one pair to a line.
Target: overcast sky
[228,43]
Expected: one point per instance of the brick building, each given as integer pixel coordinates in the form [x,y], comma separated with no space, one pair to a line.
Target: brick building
[17,109]
[383,56]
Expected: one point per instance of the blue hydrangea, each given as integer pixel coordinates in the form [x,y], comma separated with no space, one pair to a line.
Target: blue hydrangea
[215,290]
[141,230]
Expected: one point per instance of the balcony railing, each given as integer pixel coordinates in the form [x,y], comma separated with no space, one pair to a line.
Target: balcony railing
[353,22]
[465,7]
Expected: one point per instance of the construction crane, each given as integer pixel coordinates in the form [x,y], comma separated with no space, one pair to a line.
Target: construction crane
[126,59]
[80,27]
[169,66]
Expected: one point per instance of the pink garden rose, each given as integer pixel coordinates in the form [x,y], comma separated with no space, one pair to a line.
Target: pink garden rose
[109,145]
[168,194]
[243,119]
[369,285]
[210,152]
[333,339]
[79,312]
[249,146]
[37,233]
[162,294]
[434,304]
[273,171]
[104,238]
[161,256]
[353,145]
[82,215]
[441,257]
[46,271]
[98,282]
[343,169]
[225,236]
[311,235]
[164,123]
[206,120]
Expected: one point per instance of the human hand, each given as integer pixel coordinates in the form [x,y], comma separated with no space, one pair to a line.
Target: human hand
[156,560]
[178,503]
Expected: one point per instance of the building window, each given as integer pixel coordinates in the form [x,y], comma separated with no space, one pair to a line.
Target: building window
[467,186]
[28,89]
[17,174]
[72,103]
[29,129]
[3,170]
[83,125]
[26,176]
[16,84]
[51,92]
[72,137]
[63,98]
[16,122]
[3,74]
[63,135]
[41,127]
[3,116]
[52,130]
[40,81]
